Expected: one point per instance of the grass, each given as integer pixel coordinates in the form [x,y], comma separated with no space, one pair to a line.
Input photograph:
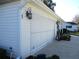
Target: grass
[76,33]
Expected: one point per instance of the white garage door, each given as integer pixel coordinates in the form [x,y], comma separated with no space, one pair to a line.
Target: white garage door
[42,32]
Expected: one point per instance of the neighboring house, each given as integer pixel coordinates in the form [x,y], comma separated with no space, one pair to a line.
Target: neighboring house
[26,26]
[71,26]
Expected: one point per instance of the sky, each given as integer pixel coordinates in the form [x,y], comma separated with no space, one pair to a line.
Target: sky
[67,9]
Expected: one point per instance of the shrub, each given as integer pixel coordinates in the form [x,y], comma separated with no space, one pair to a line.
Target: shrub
[54,57]
[41,56]
[65,31]
[3,54]
[65,37]
[30,57]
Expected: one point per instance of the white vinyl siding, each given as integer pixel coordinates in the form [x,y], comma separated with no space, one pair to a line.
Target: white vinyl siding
[9,25]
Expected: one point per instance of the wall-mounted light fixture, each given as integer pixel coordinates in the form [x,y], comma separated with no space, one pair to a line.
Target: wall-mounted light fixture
[29,13]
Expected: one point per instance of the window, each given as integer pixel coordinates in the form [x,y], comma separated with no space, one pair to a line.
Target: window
[68,26]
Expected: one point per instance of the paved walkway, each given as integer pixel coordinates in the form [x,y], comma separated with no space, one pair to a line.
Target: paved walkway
[65,49]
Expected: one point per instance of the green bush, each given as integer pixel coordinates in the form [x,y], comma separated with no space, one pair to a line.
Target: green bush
[3,54]
[42,56]
[65,37]
[54,57]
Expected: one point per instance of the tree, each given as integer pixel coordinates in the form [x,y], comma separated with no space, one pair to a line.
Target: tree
[76,19]
[50,4]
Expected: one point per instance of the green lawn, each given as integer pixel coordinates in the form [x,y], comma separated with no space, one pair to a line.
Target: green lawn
[76,33]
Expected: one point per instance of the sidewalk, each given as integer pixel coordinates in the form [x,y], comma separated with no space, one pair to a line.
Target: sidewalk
[65,49]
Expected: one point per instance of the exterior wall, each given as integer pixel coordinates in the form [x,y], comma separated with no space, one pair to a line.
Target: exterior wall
[9,26]
[23,2]
[60,26]
[74,27]
[66,24]
[26,37]
[7,1]
[37,32]
[24,34]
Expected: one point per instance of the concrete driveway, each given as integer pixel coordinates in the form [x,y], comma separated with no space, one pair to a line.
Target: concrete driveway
[65,49]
